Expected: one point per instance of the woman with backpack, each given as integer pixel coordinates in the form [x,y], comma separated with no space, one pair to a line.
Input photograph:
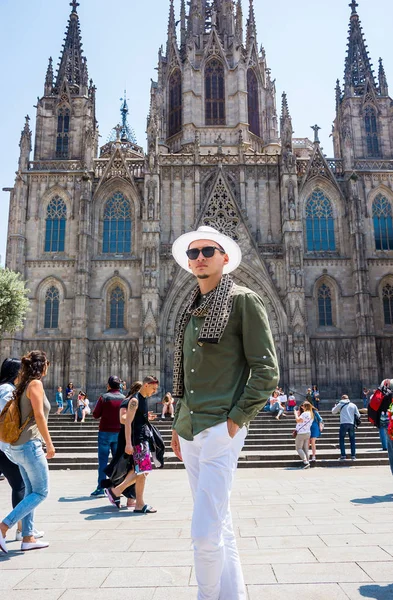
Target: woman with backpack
[27,451]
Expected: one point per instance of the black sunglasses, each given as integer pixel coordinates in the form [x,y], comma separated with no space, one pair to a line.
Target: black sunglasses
[207,251]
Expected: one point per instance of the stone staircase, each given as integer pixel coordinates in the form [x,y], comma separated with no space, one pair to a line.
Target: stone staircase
[268,444]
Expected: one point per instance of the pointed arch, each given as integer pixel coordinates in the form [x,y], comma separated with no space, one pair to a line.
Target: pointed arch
[175,103]
[63,132]
[253,102]
[52,303]
[320,234]
[116,308]
[326,293]
[117,222]
[55,225]
[383,222]
[215,113]
[371,131]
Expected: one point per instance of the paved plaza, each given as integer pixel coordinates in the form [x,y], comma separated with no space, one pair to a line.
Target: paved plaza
[322,534]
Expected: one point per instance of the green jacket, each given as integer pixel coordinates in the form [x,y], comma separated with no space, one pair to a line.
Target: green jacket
[232,379]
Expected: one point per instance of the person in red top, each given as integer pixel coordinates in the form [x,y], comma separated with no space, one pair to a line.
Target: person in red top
[107,410]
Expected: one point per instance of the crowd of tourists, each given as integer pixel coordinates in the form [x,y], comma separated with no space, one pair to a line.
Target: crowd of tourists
[223,329]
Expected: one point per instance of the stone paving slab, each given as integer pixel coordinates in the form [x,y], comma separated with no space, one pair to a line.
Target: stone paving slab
[323,534]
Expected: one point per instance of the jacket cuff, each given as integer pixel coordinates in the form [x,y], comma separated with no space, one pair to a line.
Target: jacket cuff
[238,416]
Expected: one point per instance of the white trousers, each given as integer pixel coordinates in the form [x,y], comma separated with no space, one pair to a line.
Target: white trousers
[211,461]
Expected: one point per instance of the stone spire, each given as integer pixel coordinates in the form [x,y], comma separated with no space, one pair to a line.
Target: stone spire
[338,94]
[239,21]
[383,82]
[25,146]
[49,78]
[286,130]
[358,67]
[196,21]
[171,26]
[251,24]
[72,65]
[183,21]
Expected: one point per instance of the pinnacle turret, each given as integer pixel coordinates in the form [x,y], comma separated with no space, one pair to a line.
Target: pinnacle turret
[251,24]
[72,65]
[358,67]
[383,83]
[49,78]
[286,130]
[239,21]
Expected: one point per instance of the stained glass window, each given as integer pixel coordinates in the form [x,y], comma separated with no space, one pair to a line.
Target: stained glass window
[175,103]
[117,303]
[319,223]
[215,93]
[52,301]
[325,318]
[56,219]
[63,130]
[370,123]
[383,223]
[387,296]
[117,225]
[253,102]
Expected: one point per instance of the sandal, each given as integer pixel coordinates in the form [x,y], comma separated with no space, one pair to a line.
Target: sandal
[147,509]
[112,498]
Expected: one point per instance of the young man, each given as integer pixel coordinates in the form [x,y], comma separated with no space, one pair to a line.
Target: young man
[225,368]
[107,410]
[347,410]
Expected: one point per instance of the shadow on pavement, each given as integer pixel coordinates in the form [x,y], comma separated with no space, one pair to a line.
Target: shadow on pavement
[100,513]
[373,499]
[76,498]
[378,592]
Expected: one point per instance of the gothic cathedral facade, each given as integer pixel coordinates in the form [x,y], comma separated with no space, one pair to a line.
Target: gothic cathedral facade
[91,228]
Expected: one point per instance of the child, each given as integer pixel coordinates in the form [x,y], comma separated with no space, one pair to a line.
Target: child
[59,399]
[291,402]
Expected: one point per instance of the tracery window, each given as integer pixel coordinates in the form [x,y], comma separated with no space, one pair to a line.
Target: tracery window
[116,312]
[383,223]
[319,223]
[371,127]
[63,129]
[214,93]
[387,297]
[221,213]
[253,102]
[117,225]
[325,317]
[55,225]
[175,103]
[52,301]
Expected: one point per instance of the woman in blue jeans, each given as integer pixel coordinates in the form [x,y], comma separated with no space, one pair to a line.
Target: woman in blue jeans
[27,451]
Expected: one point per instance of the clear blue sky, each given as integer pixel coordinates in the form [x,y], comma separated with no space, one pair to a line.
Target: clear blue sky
[305,43]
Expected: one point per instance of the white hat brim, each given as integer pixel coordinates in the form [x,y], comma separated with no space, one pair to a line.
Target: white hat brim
[181,245]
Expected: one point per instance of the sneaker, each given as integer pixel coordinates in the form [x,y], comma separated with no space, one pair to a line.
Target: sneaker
[37,535]
[33,546]
[306,466]
[98,492]
[342,458]
[353,457]
[2,477]
[313,459]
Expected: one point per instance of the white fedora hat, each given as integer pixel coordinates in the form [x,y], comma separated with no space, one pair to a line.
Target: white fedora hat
[182,243]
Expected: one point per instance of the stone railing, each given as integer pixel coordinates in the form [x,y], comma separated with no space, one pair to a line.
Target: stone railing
[56,165]
[135,166]
[272,250]
[370,164]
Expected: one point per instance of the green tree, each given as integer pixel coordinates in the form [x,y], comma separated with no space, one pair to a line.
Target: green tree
[14,302]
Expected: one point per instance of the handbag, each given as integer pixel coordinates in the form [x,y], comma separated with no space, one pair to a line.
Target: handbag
[294,433]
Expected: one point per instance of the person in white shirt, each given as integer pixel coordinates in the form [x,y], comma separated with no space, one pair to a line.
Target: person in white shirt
[304,418]
[347,410]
